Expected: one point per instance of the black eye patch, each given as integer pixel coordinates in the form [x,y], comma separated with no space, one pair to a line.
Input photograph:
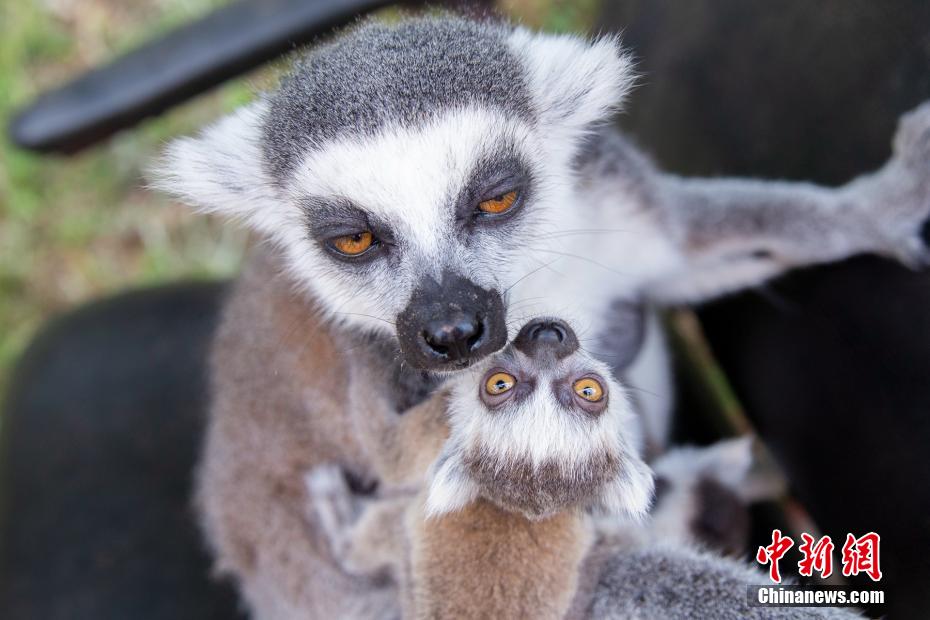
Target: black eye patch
[494,175]
[330,219]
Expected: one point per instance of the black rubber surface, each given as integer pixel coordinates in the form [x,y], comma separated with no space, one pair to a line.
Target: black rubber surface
[100,433]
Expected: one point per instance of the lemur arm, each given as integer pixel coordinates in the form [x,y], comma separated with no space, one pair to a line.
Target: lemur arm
[414,441]
[734,233]
[366,533]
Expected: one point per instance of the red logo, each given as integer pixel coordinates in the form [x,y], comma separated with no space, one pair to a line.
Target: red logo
[773,553]
[859,555]
[817,556]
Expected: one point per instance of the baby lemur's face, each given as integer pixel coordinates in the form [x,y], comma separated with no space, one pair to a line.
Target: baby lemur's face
[407,171]
[541,427]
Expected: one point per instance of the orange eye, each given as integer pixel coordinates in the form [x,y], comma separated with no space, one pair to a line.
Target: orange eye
[353,245]
[500,382]
[588,389]
[499,204]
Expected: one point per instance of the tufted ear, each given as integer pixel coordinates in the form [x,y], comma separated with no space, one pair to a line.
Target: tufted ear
[630,494]
[221,171]
[574,82]
[733,463]
[450,487]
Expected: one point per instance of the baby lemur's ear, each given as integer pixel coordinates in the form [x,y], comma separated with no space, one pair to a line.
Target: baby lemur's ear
[221,170]
[729,462]
[574,83]
[450,487]
[629,494]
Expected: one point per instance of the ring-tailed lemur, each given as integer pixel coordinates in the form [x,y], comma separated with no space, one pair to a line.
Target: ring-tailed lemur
[538,435]
[423,178]
[431,181]
[506,458]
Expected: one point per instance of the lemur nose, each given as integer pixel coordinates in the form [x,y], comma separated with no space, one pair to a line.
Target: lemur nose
[451,322]
[547,336]
[454,337]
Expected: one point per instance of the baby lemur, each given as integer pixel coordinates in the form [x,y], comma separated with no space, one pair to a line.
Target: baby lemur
[500,527]
[425,184]
[515,463]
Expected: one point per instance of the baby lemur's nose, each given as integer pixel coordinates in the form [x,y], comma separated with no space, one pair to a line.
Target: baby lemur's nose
[547,337]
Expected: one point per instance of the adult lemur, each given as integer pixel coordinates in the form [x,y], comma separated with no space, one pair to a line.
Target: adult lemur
[428,183]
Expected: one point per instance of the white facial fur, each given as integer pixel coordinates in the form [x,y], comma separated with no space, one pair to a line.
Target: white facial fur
[410,178]
[539,431]
[407,175]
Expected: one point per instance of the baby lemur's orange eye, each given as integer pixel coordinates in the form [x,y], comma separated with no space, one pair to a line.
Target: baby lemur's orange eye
[498,204]
[500,382]
[353,245]
[589,389]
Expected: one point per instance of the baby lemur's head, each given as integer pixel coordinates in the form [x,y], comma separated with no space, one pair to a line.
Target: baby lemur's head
[403,169]
[540,428]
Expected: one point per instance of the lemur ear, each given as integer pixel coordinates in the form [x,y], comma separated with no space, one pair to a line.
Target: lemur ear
[450,487]
[220,170]
[574,82]
[728,461]
[630,494]
[732,463]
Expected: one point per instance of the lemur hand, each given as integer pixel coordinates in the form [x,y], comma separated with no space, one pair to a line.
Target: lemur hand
[900,208]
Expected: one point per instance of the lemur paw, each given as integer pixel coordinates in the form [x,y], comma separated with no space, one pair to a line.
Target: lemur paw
[912,139]
[332,504]
[907,193]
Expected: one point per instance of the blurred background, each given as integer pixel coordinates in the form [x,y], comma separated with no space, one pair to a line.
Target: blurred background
[74,228]
[836,381]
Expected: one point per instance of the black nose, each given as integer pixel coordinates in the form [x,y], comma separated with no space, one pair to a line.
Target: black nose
[450,323]
[454,337]
[546,336]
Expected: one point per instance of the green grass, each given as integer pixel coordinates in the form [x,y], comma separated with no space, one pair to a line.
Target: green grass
[79,227]
[76,228]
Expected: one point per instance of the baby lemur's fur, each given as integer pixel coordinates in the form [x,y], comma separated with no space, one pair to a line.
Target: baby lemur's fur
[424,184]
[503,512]
[470,545]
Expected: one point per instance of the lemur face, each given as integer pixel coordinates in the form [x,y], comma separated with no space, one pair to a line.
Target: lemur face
[404,170]
[544,429]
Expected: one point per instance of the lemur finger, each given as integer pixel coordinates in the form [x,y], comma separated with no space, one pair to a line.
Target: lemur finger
[331,501]
[912,139]
[903,204]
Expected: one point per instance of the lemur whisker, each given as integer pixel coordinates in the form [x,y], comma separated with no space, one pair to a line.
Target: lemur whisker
[370,316]
[526,300]
[295,325]
[630,386]
[586,259]
[525,276]
[582,231]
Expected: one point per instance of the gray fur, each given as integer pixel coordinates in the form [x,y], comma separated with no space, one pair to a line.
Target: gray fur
[623,340]
[377,74]
[610,154]
[657,582]
[721,521]
[404,385]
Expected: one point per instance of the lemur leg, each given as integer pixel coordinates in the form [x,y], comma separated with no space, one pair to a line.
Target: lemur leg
[734,233]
